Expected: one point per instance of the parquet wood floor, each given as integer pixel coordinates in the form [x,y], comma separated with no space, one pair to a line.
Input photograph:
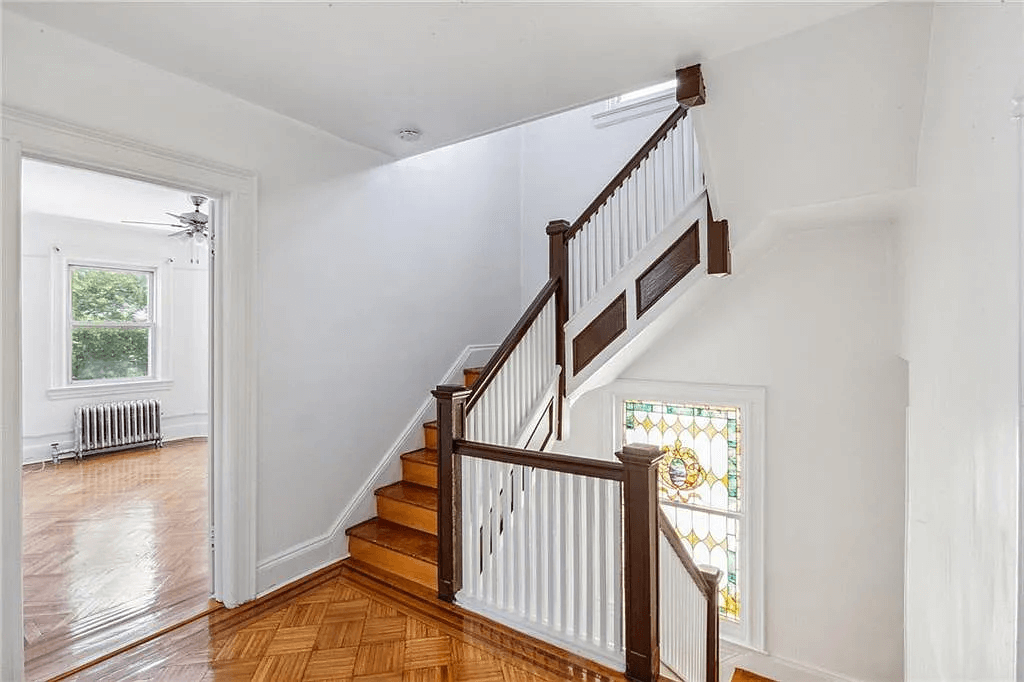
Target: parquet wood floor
[342,628]
[114,548]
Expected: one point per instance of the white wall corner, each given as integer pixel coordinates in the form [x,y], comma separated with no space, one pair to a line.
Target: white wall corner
[310,556]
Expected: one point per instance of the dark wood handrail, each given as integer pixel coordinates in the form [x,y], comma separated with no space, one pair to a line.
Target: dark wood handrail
[677,114]
[566,464]
[688,563]
[504,351]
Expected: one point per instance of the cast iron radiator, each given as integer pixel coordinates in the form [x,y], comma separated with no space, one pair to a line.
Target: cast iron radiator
[115,426]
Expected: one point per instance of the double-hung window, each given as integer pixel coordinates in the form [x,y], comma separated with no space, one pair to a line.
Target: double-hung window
[709,483]
[111,324]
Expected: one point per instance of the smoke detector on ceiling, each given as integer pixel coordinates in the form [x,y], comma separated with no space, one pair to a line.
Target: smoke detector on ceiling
[409,134]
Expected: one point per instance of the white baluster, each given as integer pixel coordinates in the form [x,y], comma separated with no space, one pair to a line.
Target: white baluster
[557,554]
[686,134]
[577,269]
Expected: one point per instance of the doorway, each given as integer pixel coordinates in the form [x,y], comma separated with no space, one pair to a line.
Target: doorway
[115,404]
[233,400]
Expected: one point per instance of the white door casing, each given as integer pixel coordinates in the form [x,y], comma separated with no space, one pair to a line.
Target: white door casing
[233,407]
[12,653]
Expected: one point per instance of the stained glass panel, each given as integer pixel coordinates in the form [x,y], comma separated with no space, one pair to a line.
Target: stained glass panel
[699,481]
[702,462]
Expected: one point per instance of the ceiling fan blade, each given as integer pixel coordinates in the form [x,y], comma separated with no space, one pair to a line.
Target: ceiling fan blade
[145,222]
[186,231]
[182,218]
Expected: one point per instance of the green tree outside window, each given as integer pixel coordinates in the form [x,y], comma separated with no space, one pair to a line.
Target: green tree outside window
[111,323]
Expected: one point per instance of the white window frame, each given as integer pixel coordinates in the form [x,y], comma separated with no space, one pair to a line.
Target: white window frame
[627,107]
[61,384]
[749,632]
[150,324]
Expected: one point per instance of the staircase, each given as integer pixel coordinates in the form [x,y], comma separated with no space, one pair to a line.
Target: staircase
[572,550]
[401,541]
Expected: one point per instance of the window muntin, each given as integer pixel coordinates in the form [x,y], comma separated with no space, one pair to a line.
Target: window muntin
[111,324]
[699,481]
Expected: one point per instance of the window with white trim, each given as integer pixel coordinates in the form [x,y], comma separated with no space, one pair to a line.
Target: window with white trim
[709,482]
[111,324]
[647,101]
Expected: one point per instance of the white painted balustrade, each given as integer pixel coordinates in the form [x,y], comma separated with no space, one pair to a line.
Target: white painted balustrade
[664,183]
[542,552]
[508,407]
[683,616]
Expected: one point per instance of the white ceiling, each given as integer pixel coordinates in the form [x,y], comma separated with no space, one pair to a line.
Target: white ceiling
[76,193]
[454,69]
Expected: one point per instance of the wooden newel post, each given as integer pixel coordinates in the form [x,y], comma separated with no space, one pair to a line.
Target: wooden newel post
[558,268]
[451,423]
[712,575]
[640,530]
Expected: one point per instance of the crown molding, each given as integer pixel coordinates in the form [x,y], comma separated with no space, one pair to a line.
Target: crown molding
[18,115]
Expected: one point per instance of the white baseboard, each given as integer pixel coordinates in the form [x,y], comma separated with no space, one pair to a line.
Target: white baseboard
[732,656]
[35,449]
[312,555]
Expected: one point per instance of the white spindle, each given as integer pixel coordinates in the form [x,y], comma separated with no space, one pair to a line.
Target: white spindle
[552,552]
[683,615]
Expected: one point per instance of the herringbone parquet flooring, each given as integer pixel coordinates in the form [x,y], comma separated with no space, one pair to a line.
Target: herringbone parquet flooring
[338,630]
[115,548]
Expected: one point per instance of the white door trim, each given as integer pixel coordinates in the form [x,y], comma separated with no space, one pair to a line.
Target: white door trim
[1018,116]
[12,653]
[234,435]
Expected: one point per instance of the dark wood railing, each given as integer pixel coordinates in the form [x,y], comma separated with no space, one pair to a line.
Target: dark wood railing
[507,346]
[635,471]
[689,93]
[707,581]
[627,170]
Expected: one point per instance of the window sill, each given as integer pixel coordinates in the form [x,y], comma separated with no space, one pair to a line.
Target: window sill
[122,387]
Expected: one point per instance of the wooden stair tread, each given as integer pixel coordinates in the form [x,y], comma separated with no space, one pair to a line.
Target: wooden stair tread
[410,493]
[401,539]
[421,456]
[741,675]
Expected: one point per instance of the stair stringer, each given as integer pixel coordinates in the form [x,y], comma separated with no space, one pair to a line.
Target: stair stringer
[698,289]
[325,549]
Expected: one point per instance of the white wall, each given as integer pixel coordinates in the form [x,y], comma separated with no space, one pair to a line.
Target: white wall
[815,322]
[373,276]
[185,314]
[566,162]
[961,316]
[824,114]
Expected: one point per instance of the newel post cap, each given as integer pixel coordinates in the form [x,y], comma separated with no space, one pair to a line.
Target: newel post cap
[450,391]
[640,454]
[557,227]
[690,86]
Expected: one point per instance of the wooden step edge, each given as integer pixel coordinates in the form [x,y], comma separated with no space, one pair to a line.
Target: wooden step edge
[358,532]
[386,491]
[420,456]
[417,599]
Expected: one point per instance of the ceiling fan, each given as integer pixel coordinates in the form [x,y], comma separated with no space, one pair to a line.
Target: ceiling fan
[193,224]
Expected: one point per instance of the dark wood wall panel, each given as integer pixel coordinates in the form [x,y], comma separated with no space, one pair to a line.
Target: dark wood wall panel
[671,266]
[605,328]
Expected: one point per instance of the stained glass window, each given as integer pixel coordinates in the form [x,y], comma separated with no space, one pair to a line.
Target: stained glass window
[700,480]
